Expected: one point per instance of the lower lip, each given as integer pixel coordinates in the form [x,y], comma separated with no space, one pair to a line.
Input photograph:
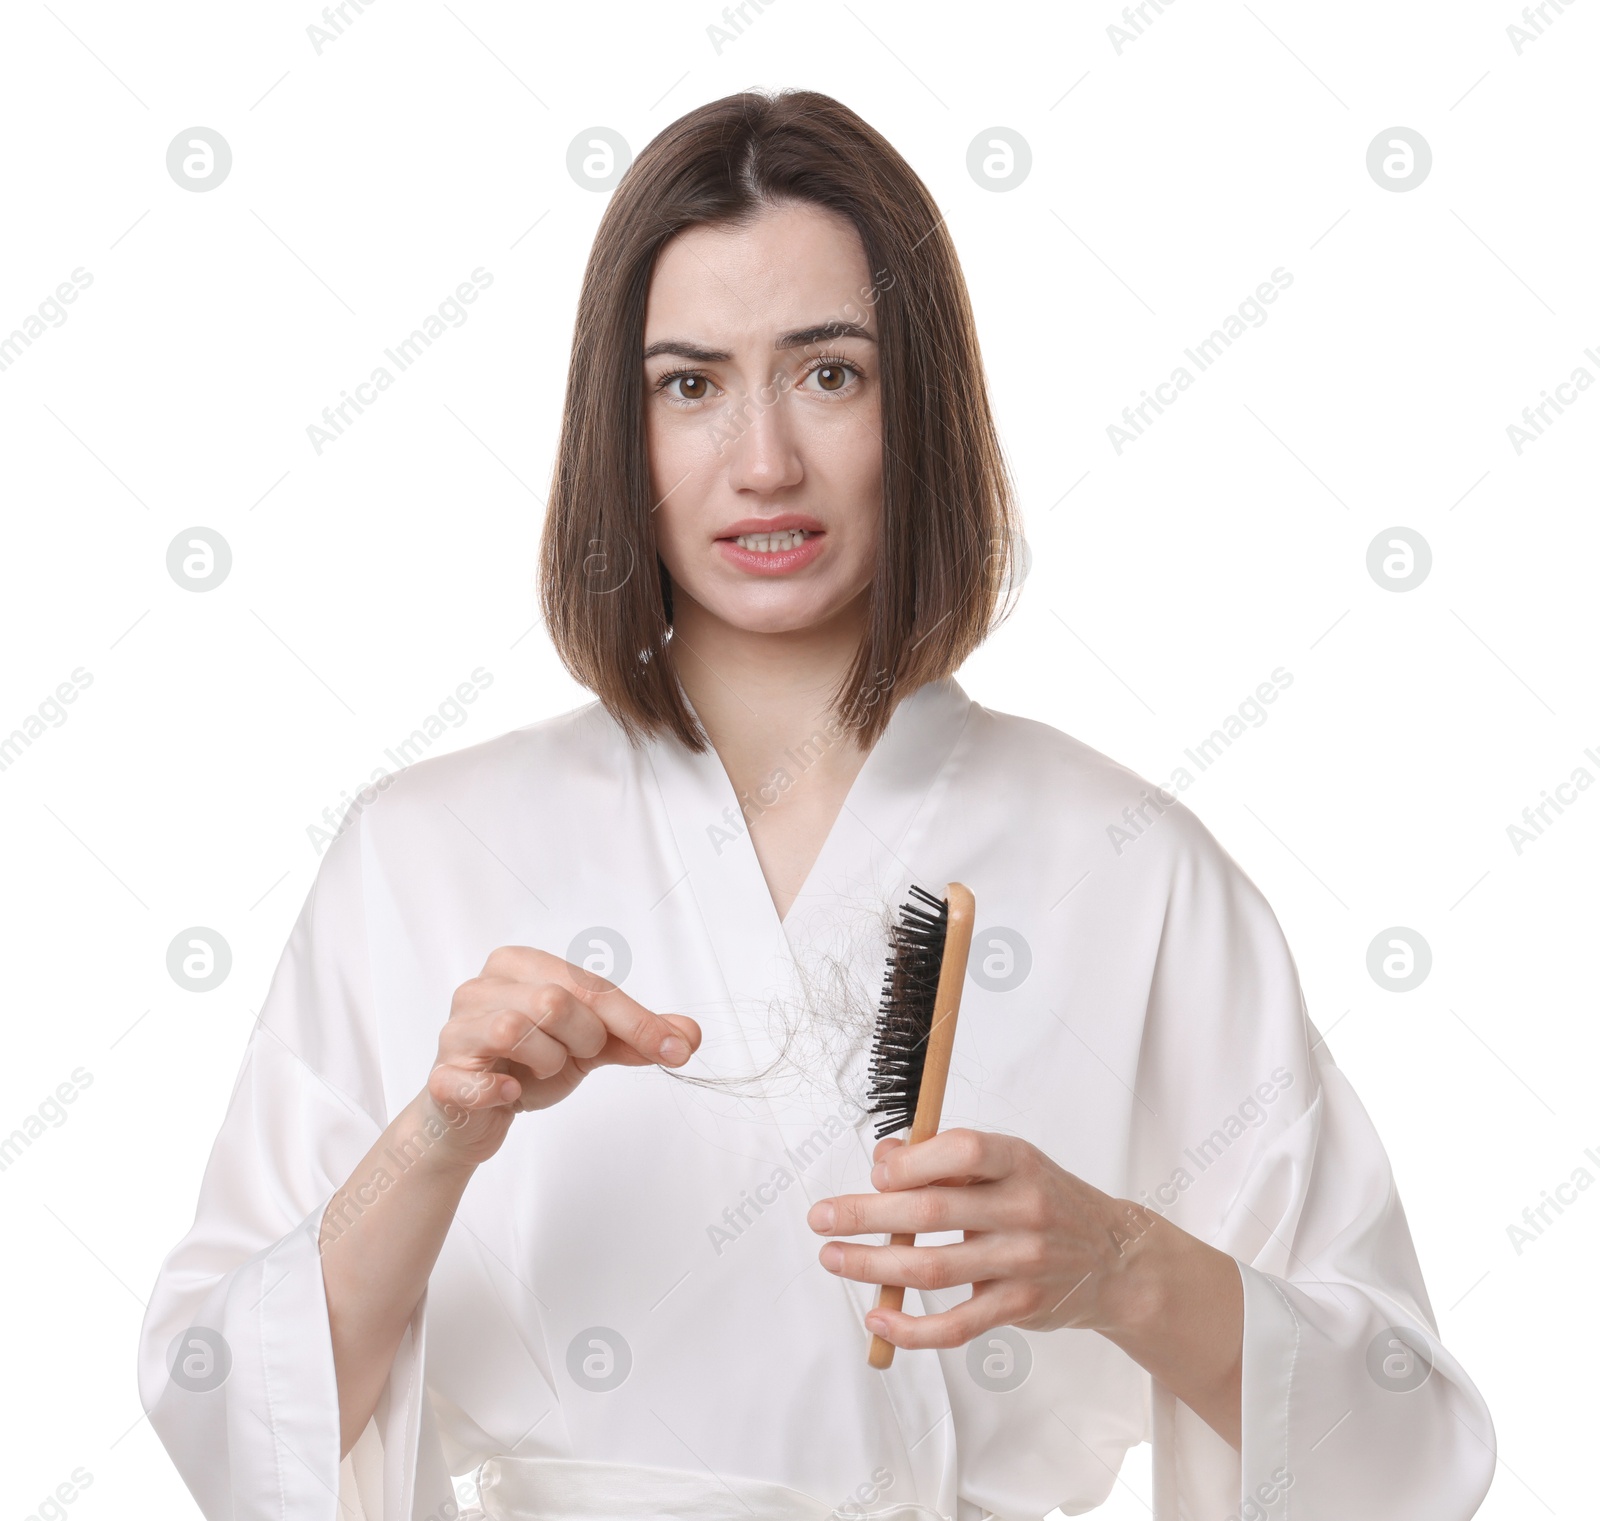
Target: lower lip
[777,562]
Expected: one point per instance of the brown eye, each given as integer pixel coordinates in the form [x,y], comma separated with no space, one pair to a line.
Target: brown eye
[833,375]
[691,387]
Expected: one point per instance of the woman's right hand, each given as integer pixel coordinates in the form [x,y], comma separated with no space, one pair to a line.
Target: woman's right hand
[524,1033]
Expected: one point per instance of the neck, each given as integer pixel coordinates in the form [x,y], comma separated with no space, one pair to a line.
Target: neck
[765,702]
[758,694]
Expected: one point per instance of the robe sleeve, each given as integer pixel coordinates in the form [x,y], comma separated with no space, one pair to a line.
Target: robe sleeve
[1351,1405]
[235,1361]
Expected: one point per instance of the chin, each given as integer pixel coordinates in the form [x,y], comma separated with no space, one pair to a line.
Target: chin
[785,613]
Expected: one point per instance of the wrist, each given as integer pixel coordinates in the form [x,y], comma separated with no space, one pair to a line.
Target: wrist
[1175,1305]
[1135,1295]
[426,1132]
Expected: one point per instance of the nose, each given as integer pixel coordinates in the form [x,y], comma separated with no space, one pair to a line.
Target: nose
[763,455]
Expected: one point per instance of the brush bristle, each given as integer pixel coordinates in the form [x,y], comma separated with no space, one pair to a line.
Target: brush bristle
[905,1012]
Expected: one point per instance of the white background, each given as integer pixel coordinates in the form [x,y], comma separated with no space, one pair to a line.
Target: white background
[1168,180]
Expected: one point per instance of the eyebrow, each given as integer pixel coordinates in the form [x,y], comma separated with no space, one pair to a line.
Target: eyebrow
[799,338]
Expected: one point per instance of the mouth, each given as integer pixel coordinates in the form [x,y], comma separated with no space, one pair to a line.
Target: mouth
[772,546]
[773,543]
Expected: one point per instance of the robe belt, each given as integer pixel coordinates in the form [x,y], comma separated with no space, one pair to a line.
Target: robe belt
[573,1489]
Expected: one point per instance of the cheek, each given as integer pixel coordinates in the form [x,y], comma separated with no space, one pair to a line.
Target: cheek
[677,483]
[845,456]
[860,484]
[672,524]
[664,446]
[687,453]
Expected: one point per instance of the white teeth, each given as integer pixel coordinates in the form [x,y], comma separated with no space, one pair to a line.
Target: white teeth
[772,543]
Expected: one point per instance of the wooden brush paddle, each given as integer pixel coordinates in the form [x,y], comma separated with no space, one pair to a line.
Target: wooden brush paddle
[916,1031]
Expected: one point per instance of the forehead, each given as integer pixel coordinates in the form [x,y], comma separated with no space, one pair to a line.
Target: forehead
[792,266]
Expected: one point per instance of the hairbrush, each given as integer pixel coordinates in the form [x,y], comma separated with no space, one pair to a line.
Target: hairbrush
[915,1033]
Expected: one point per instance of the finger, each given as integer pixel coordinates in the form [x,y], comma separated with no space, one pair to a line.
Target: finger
[920,1267]
[465,1089]
[651,1037]
[951,1156]
[886,1145]
[688,1030]
[510,1035]
[548,1006]
[617,1052]
[968,1321]
[921,1211]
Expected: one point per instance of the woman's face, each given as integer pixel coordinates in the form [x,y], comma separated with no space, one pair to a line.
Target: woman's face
[762,418]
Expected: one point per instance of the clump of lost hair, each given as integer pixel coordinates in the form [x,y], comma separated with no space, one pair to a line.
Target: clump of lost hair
[947,536]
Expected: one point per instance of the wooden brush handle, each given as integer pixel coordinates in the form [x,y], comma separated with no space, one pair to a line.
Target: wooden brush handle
[935,1070]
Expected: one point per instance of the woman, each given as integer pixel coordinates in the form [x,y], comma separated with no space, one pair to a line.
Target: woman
[780,522]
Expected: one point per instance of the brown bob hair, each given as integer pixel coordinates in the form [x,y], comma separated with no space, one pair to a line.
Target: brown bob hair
[947,540]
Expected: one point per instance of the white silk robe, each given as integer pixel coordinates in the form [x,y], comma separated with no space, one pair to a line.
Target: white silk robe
[1131,1009]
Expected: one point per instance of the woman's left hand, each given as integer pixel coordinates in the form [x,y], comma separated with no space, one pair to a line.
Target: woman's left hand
[1042,1249]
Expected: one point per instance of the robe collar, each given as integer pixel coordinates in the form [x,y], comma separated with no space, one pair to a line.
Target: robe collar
[878,844]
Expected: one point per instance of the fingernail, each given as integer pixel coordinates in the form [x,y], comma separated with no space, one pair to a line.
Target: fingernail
[674,1051]
[833,1256]
[822,1217]
[880,1175]
[877,1324]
